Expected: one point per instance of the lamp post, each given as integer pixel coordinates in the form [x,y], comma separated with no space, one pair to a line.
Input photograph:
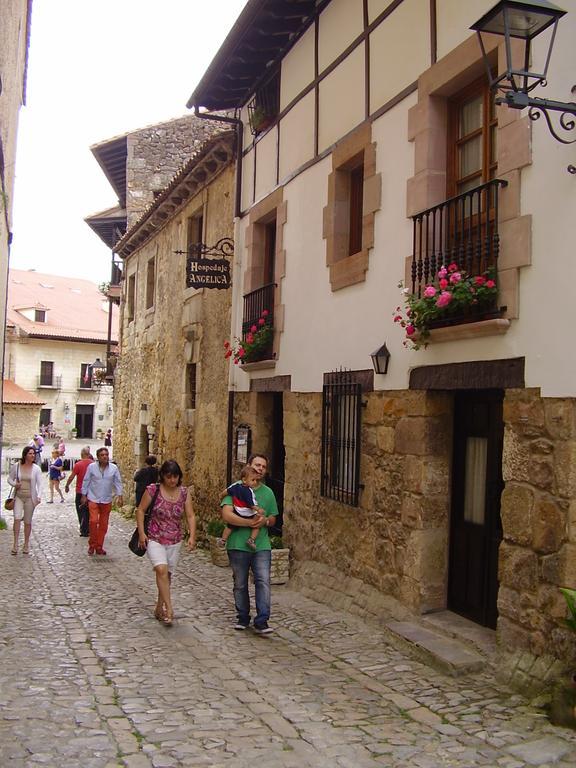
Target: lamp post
[524,20]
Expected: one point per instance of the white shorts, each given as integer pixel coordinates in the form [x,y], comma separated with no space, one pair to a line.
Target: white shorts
[163,554]
[23,509]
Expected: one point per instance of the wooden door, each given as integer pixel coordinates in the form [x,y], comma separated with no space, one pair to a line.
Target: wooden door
[476,529]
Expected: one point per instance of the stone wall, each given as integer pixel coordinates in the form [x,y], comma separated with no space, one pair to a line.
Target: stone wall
[538,508]
[20,423]
[156,154]
[185,326]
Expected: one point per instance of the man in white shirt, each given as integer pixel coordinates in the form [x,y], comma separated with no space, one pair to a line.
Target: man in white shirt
[101,481]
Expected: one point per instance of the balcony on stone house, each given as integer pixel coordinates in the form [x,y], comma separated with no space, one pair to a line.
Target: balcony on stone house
[258,306]
[461,231]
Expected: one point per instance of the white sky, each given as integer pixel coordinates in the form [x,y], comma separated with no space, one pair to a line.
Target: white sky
[98,68]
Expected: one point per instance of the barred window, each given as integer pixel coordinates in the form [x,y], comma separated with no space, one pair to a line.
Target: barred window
[341,434]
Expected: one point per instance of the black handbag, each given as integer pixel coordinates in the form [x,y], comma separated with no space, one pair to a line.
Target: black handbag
[133,544]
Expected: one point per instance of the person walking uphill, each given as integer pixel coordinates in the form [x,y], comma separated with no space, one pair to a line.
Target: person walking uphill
[244,558]
[101,481]
[78,472]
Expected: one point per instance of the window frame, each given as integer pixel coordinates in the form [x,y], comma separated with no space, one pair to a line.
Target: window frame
[131,297]
[150,297]
[44,383]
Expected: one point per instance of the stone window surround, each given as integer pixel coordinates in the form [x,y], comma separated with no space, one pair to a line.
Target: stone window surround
[262,213]
[427,128]
[348,269]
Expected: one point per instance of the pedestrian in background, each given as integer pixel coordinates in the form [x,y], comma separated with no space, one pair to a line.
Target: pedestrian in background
[78,472]
[145,476]
[243,558]
[38,444]
[26,478]
[101,482]
[55,475]
[164,537]
[108,438]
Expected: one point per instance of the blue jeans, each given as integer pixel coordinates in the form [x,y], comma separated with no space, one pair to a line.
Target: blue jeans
[241,563]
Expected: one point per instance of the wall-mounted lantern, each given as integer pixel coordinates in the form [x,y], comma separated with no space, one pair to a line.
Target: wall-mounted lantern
[380,359]
[524,20]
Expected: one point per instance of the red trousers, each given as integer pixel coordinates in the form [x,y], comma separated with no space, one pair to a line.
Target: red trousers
[99,514]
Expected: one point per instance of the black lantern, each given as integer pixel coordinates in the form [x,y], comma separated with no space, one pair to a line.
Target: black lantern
[380,359]
[524,20]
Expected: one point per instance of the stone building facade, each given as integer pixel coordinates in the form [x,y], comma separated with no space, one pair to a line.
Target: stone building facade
[445,481]
[171,385]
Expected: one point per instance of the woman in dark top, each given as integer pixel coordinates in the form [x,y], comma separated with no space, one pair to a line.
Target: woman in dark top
[145,477]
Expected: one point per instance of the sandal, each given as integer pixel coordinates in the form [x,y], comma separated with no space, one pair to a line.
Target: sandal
[167,620]
[159,616]
[25,550]
[13,551]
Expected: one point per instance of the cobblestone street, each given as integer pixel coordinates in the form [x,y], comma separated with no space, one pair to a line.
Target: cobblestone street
[89,678]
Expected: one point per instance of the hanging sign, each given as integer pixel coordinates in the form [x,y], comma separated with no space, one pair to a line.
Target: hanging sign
[208,273]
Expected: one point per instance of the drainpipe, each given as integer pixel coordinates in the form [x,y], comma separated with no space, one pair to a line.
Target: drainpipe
[239,147]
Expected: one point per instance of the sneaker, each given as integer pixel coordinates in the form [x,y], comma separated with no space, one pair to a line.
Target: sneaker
[263,629]
[240,627]
[100,551]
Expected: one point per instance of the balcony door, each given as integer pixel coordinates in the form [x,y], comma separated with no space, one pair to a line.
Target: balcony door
[84,422]
[475,525]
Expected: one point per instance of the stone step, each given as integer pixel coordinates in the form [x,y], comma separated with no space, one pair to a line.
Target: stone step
[448,654]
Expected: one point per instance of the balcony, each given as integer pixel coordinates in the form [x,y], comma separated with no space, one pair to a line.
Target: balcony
[461,232]
[49,382]
[259,314]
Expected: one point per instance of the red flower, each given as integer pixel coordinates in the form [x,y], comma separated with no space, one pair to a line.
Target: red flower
[443,283]
[253,329]
[452,267]
[261,321]
[226,344]
[490,284]
[265,313]
[228,353]
[241,352]
[250,338]
[479,280]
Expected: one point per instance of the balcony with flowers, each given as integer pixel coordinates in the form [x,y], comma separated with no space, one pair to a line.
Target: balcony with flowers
[453,289]
[257,341]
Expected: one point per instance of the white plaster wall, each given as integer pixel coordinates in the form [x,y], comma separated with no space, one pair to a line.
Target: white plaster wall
[342,100]
[454,18]
[340,23]
[403,37]
[266,154]
[297,68]
[248,179]
[297,136]
[23,360]
[376,7]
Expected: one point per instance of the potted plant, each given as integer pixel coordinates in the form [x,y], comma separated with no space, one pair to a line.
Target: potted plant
[563,704]
[280,567]
[73,433]
[214,530]
[454,296]
[260,119]
[256,344]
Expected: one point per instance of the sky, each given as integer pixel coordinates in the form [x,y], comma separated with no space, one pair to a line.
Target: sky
[97,69]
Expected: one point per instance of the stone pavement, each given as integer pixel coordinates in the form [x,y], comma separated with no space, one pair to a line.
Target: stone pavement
[89,678]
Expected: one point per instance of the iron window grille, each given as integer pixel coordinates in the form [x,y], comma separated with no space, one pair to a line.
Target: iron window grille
[265,106]
[341,436]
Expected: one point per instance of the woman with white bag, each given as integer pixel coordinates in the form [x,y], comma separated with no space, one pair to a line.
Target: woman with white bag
[26,479]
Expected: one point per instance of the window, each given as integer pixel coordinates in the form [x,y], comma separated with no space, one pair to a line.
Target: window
[131,296]
[341,409]
[355,184]
[150,282]
[45,417]
[191,386]
[265,106]
[471,139]
[39,315]
[194,233]
[46,373]
[85,376]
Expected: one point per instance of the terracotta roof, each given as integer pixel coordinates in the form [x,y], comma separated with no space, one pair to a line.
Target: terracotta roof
[76,309]
[12,394]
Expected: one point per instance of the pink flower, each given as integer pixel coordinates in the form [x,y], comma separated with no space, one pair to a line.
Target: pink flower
[265,313]
[429,291]
[490,284]
[228,353]
[410,330]
[455,277]
[443,283]
[236,361]
[250,338]
[226,344]
[479,280]
[444,299]
[442,272]
[261,321]
[241,352]
[253,329]
[452,267]
[398,319]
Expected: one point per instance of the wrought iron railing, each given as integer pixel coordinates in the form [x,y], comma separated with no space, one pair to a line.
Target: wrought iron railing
[259,304]
[463,231]
[50,382]
[341,437]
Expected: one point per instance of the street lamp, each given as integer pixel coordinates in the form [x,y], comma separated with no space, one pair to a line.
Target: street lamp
[525,20]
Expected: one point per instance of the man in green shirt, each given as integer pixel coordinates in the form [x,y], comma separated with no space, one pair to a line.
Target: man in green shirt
[243,558]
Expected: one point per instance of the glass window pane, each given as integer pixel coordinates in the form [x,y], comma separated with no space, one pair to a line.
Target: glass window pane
[493,143]
[470,157]
[475,485]
[471,116]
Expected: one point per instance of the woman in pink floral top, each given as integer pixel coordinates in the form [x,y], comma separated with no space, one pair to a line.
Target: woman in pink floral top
[164,537]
